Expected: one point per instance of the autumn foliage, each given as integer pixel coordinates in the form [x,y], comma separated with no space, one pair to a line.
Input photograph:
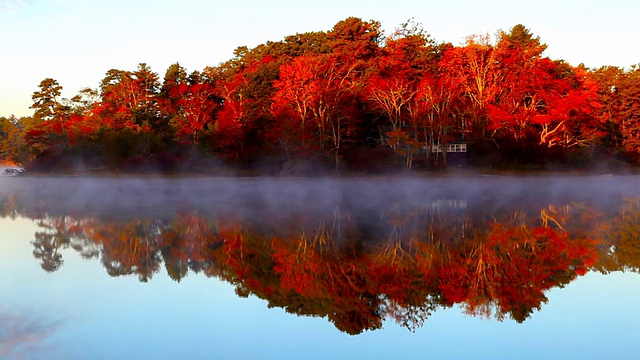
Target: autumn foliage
[340,99]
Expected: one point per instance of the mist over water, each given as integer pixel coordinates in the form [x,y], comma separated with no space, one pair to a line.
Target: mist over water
[163,196]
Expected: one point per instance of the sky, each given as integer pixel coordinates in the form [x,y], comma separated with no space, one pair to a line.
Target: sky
[77,41]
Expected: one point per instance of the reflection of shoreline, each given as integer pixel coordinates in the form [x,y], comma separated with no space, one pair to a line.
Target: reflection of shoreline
[354,268]
[354,252]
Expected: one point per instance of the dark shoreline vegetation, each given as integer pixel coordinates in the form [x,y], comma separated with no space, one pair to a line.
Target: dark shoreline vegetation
[346,101]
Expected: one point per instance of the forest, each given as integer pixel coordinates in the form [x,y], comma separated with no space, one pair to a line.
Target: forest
[347,100]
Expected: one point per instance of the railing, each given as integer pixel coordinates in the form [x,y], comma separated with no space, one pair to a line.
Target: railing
[450,148]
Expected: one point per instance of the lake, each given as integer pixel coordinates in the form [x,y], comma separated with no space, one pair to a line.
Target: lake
[498,267]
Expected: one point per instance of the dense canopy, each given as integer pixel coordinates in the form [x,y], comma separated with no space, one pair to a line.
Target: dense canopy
[350,99]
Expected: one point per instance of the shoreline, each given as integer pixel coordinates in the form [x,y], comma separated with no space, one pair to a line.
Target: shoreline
[446,173]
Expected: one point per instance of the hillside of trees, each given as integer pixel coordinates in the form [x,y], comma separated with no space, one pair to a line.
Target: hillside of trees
[349,99]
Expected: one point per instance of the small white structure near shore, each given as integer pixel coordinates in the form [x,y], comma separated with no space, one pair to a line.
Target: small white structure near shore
[10,170]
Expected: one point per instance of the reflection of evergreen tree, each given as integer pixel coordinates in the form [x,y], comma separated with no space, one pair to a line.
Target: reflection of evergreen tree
[46,247]
[56,234]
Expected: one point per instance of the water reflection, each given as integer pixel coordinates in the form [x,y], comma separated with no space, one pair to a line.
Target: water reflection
[355,252]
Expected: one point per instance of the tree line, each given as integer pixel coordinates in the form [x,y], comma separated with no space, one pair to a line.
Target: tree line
[348,99]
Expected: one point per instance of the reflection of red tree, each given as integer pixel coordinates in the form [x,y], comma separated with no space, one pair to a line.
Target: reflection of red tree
[338,284]
[299,268]
[510,268]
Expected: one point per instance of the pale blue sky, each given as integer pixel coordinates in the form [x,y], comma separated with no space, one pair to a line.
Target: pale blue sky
[77,41]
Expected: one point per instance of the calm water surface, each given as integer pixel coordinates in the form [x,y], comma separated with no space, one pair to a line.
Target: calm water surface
[211,268]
